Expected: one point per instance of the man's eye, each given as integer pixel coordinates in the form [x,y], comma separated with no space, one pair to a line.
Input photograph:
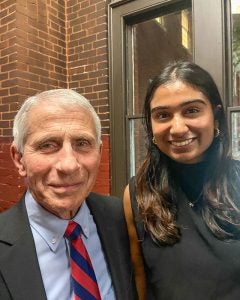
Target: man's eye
[83,144]
[47,146]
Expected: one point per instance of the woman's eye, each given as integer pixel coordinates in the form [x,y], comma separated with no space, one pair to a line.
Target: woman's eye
[193,110]
[161,115]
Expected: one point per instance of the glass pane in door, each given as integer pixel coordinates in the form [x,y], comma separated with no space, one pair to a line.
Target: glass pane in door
[156,41]
[235,133]
[235,10]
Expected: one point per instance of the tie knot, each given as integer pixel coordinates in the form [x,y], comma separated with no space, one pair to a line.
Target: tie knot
[73,230]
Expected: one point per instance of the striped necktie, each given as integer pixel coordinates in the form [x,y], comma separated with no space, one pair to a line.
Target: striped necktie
[83,277]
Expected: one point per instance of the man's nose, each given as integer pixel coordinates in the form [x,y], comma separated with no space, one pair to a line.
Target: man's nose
[178,126]
[67,161]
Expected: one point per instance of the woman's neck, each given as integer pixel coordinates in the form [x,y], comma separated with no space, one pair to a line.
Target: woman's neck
[190,177]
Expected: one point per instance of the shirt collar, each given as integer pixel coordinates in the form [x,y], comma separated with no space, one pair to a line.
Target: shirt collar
[50,227]
[82,218]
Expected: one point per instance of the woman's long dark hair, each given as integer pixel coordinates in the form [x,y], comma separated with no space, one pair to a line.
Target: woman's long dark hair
[153,188]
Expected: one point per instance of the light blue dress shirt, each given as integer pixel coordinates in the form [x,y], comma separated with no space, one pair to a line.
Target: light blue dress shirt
[53,250]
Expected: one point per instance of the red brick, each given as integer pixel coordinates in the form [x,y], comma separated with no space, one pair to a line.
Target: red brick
[7,132]
[8,115]
[3,76]
[4,108]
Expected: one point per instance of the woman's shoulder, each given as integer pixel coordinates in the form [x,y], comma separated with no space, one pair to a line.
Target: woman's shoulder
[234,165]
[233,172]
[132,183]
[235,162]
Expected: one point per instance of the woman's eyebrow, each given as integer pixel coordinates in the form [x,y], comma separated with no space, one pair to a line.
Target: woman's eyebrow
[181,105]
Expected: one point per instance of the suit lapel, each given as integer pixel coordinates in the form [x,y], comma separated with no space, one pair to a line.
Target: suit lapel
[105,229]
[112,232]
[18,260]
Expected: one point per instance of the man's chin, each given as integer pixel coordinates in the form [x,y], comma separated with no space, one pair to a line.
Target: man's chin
[65,212]
[63,207]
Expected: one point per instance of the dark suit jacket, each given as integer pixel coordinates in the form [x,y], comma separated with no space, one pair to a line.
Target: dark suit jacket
[20,277]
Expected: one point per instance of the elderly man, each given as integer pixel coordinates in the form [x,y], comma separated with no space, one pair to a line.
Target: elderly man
[61,241]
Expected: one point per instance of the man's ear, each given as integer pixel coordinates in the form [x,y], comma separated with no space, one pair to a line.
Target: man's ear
[18,160]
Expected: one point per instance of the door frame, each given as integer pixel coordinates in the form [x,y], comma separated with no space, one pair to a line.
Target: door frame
[208,30]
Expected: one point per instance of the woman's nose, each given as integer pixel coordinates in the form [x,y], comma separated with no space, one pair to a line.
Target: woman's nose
[178,126]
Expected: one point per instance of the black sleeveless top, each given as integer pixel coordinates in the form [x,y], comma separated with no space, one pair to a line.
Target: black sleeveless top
[199,267]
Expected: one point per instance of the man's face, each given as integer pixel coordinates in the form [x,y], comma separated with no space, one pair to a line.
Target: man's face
[60,159]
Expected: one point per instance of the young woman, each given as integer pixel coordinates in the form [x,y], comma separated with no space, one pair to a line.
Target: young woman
[186,194]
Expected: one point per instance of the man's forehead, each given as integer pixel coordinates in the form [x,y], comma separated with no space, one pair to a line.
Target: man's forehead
[45,107]
[54,113]
[48,121]
[62,134]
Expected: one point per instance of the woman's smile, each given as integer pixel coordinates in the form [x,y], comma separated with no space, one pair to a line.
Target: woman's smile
[182,122]
[181,143]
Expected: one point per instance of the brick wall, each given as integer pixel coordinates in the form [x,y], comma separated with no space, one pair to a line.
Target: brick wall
[8,65]
[11,185]
[41,46]
[44,45]
[87,66]
[87,53]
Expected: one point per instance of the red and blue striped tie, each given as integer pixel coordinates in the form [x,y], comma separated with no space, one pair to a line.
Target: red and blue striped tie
[83,277]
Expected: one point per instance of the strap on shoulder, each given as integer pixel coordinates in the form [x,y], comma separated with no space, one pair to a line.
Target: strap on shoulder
[136,255]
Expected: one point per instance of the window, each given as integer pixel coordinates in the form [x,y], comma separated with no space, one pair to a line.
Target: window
[144,35]
[154,43]
[234,105]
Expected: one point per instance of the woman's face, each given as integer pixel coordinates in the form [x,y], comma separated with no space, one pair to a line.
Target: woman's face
[182,122]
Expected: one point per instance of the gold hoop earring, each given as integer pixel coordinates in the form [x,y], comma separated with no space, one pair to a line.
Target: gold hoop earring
[216,132]
[154,141]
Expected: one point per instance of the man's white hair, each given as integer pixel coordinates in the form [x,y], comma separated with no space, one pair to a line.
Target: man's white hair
[65,98]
